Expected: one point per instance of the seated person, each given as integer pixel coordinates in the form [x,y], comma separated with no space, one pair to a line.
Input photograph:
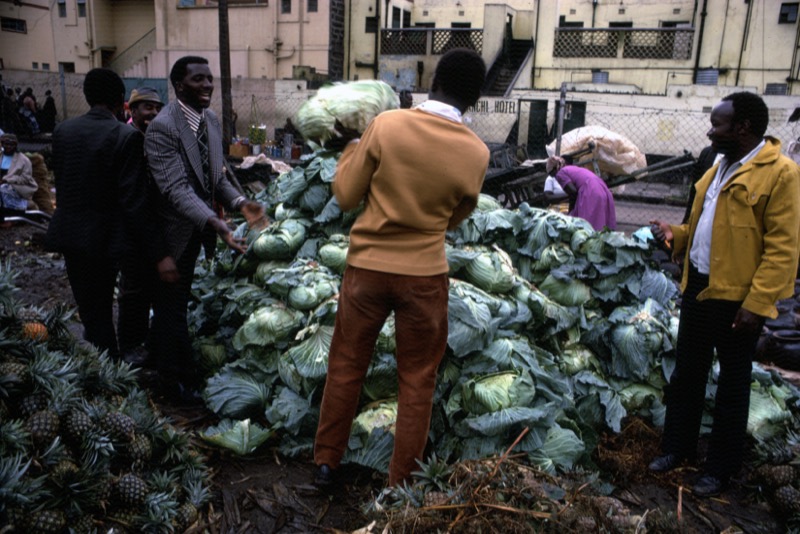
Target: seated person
[16,176]
[589,195]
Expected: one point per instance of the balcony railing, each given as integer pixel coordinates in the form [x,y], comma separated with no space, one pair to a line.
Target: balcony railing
[425,41]
[659,43]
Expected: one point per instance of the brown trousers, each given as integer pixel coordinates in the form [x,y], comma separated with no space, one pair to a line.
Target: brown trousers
[365,300]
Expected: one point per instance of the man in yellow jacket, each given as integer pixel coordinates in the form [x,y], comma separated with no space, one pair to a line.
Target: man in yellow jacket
[741,253]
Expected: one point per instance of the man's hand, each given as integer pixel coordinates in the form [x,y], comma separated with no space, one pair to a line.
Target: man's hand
[168,270]
[661,231]
[254,215]
[747,322]
[344,136]
[225,233]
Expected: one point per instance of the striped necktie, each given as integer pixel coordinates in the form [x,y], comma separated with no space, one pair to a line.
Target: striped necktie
[202,144]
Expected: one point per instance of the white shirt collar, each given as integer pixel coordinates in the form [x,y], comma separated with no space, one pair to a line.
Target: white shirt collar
[441,109]
[192,116]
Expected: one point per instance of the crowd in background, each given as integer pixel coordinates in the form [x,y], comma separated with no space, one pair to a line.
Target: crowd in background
[22,114]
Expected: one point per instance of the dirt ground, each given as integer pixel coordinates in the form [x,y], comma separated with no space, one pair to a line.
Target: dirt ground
[267,493]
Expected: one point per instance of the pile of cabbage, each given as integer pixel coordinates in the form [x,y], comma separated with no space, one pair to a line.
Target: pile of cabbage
[552,327]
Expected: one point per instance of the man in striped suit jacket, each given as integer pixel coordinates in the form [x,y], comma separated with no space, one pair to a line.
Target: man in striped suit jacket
[184,153]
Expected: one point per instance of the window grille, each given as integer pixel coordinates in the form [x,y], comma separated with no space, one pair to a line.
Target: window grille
[445,40]
[637,44]
[409,42]
[581,43]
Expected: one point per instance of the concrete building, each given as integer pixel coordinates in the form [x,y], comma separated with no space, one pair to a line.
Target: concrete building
[615,57]
[632,46]
[142,38]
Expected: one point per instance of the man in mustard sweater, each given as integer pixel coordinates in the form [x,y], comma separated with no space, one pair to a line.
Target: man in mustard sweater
[418,172]
[741,251]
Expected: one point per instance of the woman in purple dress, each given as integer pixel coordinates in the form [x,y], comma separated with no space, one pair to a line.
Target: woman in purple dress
[589,194]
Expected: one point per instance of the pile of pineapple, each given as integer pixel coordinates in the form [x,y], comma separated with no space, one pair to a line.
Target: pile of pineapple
[81,448]
[778,475]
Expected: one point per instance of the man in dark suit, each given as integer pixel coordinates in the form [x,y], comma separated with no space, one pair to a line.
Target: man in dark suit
[184,151]
[98,163]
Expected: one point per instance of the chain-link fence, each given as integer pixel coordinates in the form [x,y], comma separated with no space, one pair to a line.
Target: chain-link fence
[516,128]
[521,128]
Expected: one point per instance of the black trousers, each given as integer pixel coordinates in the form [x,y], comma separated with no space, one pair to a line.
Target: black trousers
[92,279]
[706,326]
[169,334]
[137,289]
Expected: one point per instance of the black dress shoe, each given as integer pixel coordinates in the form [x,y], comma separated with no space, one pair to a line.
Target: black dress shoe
[136,357]
[709,486]
[323,478]
[664,463]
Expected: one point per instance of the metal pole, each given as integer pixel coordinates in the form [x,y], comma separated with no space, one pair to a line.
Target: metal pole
[63,86]
[562,104]
[225,75]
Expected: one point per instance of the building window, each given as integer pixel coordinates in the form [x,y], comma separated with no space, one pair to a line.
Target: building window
[371,25]
[776,89]
[461,25]
[67,67]
[620,24]
[312,6]
[35,65]
[286,6]
[562,23]
[707,77]
[45,66]
[82,8]
[13,25]
[406,19]
[397,17]
[788,13]
[62,8]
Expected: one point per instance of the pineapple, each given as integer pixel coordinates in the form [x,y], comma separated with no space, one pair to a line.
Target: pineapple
[172,444]
[787,499]
[84,525]
[77,425]
[140,449]
[16,371]
[5,412]
[46,521]
[14,438]
[107,377]
[774,476]
[7,286]
[128,518]
[435,498]
[43,426]
[64,472]
[32,403]
[56,321]
[161,511]
[35,331]
[119,426]
[188,513]
[165,482]
[29,314]
[131,490]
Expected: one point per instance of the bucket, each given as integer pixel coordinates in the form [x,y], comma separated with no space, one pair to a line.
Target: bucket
[782,348]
